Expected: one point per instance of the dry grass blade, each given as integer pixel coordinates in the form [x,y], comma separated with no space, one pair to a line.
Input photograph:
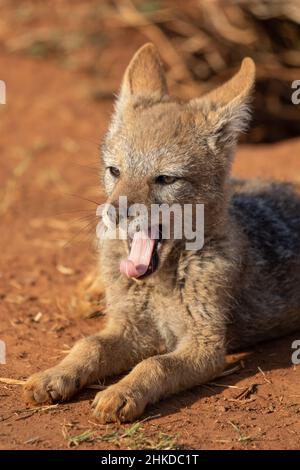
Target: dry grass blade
[227,372]
[32,440]
[223,385]
[9,381]
[86,436]
[164,442]
[37,408]
[242,437]
[264,375]
[247,392]
[26,413]
[134,438]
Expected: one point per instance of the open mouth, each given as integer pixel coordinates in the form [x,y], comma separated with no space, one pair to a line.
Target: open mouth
[143,258]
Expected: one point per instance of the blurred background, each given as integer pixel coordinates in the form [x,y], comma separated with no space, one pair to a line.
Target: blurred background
[202,42]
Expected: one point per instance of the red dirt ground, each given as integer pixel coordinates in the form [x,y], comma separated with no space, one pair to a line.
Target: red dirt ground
[49,136]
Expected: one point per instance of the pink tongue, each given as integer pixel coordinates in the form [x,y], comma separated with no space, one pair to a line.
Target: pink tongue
[139,257]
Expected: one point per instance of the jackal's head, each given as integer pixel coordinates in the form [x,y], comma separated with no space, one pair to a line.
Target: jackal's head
[159,150]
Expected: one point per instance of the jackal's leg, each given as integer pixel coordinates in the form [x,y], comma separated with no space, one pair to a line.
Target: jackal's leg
[157,377]
[110,352]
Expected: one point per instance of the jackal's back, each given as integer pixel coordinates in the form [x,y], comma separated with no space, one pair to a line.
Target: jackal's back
[268,299]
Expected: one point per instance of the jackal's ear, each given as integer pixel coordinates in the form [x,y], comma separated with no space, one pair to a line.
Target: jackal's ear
[144,76]
[226,109]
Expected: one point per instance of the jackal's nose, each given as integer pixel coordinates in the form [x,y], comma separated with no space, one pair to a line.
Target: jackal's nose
[119,209]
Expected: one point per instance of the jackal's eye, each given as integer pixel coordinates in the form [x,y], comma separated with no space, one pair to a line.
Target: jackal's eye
[165,179]
[115,172]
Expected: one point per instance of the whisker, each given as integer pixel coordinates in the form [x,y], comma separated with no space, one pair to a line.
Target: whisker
[84,199]
[68,243]
[87,167]
[74,211]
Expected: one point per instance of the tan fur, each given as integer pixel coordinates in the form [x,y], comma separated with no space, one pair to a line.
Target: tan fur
[171,330]
[89,298]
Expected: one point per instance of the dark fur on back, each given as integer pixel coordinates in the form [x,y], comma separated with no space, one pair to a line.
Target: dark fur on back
[268,215]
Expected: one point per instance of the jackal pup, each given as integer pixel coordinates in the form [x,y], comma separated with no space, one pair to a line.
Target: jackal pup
[173,313]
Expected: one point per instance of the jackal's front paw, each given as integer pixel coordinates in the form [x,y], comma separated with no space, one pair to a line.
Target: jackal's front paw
[51,385]
[118,403]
